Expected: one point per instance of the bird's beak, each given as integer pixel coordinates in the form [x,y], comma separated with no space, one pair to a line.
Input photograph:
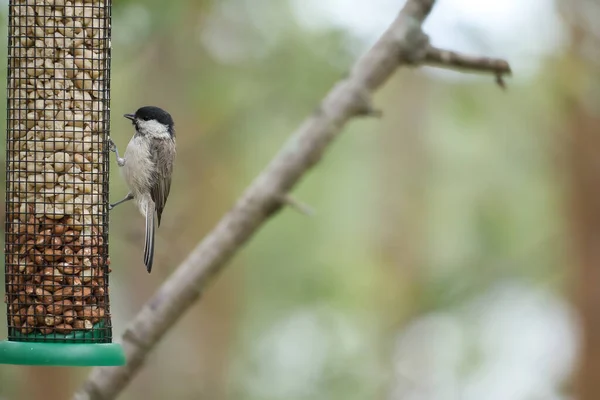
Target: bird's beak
[129,116]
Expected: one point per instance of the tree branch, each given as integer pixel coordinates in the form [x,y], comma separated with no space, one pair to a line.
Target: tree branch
[297,205]
[402,43]
[454,60]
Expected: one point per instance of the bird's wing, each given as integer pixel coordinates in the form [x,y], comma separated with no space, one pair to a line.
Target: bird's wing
[163,154]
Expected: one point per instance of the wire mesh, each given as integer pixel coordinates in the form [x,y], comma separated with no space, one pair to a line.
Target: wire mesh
[56,247]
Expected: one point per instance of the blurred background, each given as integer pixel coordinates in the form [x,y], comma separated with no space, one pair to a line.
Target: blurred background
[455,253]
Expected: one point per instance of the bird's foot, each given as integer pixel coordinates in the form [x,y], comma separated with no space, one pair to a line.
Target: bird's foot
[111,145]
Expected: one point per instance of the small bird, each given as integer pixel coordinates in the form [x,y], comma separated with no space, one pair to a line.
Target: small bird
[147,166]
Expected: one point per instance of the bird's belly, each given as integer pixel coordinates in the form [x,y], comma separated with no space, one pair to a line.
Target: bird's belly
[138,167]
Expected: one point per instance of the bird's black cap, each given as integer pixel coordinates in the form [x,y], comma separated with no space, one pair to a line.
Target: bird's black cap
[149,113]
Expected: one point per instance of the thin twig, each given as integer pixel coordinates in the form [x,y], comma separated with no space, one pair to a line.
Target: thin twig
[402,43]
[468,63]
[297,205]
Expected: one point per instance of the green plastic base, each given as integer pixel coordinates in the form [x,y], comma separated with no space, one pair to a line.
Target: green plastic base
[61,354]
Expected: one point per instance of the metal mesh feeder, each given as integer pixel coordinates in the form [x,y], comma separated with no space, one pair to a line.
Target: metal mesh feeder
[57,165]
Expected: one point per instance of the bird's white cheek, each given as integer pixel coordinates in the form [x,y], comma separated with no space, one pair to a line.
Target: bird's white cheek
[154,129]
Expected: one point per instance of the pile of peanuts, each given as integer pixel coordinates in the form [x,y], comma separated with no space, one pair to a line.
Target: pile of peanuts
[56,257]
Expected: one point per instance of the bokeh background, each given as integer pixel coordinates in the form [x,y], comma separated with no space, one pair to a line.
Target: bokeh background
[455,253]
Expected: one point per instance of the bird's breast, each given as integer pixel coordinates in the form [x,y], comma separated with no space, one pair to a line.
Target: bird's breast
[138,168]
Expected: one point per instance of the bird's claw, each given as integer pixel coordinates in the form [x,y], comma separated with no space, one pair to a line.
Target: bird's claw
[111,145]
[111,206]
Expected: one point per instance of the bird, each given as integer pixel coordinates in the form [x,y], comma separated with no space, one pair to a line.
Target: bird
[146,167]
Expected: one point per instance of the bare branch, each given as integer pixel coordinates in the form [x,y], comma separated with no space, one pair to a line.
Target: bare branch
[297,205]
[468,63]
[402,43]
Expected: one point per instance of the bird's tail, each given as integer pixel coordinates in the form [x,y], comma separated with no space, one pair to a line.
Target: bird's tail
[149,243]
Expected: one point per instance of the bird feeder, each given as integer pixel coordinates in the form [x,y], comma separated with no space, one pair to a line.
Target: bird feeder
[57,166]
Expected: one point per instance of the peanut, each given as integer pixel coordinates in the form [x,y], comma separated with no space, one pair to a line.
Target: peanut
[58,111]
